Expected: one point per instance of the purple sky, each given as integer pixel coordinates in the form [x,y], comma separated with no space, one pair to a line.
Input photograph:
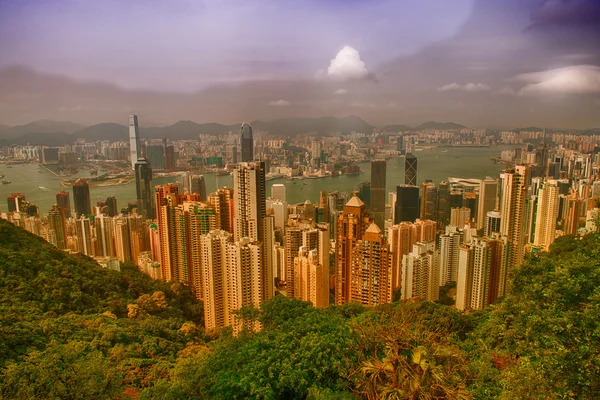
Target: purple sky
[479,62]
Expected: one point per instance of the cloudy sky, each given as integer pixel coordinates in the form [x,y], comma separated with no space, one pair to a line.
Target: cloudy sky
[483,63]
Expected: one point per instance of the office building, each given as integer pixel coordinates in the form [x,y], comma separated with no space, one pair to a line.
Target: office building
[429,201]
[85,241]
[144,192]
[488,199]
[134,140]
[155,154]
[370,281]
[63,201]
[16,202]
[377,197]
[278,191]
[410,170]
[198,185]
[56,228]
[81,198]
[247,142]
[407,204]
[364,193]
[350,228]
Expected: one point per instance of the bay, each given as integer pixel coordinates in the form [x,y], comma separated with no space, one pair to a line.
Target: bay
[434,164]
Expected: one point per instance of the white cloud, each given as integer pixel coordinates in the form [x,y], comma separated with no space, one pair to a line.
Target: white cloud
[341,91]
[576,79]
[279,103]
[347,65]
[469,87]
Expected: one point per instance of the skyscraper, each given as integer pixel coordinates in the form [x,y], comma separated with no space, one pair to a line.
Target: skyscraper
[278,191]
[83,228]
[449,250]
[371,269]
[250,219]
[350,228]
[81,198]
[492,223]
[547,214]
[407,204]
[134,140]
[214,278]
[56,227]
[247,142]
[143,186]
[488,197]
[16,202]
[429,201]
[198,185]
[421,273]
[443,206]
[377,204]
[514,191]
[364,193]
[63,201]
[410,170]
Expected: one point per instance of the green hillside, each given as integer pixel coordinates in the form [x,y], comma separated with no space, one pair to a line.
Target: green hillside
[70,329]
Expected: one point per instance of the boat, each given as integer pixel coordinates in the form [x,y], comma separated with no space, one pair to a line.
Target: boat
[45,189]
[5,181]
[444,151]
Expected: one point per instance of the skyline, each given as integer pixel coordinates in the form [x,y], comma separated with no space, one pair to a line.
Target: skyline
[479,63]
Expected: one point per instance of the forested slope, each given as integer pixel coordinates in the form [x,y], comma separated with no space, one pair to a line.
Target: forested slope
[70,329]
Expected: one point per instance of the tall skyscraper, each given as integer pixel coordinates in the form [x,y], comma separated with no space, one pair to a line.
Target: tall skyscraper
[371,269]
[83,228]
[429,201]
[449,250]
[378,179]
[492,223]
[250,219]
[214,278]
[155,156]
[407,204]
[410,170]
[278,191]
[81,198]
[480,273]
[198,185]
[488,198]
[514,191]
[421,273]
[63,201]
[16,202]
[56,227]
[143,186]
[247,142]
[134,140]
[350,228]
[443,207]
[546,215]
[364,193]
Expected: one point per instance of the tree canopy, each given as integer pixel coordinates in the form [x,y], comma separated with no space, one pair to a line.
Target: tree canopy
[71,329]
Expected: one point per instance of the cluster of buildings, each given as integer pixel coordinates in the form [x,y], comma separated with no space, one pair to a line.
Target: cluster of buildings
[239,247]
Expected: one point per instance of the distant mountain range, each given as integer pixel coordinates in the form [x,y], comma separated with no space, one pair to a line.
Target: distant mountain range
[57,133]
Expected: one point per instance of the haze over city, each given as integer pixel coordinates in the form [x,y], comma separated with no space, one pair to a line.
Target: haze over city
[299,199]
[494,63]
